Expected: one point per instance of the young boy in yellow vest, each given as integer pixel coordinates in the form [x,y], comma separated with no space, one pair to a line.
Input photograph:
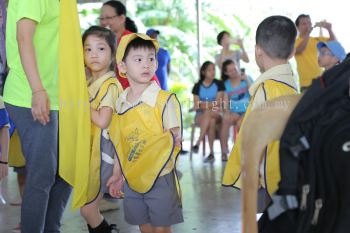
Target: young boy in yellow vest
[146,132]
[274,47]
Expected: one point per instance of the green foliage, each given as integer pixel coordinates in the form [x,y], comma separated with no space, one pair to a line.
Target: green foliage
[177,22]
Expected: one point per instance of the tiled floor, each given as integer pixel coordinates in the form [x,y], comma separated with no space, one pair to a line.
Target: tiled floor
[207,206]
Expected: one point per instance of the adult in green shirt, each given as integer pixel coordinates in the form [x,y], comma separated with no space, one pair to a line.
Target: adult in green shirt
[31,97]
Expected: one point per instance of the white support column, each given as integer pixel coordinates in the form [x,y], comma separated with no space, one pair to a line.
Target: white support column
[199,32]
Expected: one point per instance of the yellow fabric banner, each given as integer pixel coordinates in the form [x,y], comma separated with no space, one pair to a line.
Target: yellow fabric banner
[74,111]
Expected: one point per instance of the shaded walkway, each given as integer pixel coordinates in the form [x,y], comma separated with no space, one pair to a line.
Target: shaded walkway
[208,207]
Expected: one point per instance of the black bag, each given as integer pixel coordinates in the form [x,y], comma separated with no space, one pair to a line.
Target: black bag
[314,191]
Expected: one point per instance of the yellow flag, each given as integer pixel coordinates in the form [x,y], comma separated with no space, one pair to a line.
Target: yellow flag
[74,112]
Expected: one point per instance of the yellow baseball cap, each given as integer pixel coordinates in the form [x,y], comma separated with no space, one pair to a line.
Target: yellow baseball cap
[125,40]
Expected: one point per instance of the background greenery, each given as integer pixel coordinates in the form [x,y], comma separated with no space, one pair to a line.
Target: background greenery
[177,22]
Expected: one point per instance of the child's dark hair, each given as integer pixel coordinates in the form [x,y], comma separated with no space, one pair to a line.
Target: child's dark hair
[225,64]
[138,43]
[220,36]
[297,21]
[276,36]
[104,33]
[204,67]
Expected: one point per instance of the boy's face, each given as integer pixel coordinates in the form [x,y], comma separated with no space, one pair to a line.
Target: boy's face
[140,65]
[325,58]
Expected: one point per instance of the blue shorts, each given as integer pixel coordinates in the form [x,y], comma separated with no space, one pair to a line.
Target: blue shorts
[161,206]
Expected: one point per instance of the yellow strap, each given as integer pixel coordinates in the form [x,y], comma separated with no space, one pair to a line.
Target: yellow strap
[104,88]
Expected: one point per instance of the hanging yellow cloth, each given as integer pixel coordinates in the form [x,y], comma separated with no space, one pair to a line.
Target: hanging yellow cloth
[74,111]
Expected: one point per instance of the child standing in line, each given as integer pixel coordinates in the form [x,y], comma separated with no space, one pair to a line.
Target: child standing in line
[104,90]
[330,53]
[147,132]
[275,38]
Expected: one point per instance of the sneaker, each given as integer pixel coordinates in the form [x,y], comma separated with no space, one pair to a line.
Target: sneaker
[195,149]
[106,205]
[183,152]
[209,158]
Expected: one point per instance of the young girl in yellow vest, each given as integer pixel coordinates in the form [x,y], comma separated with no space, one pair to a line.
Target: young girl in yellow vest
[147,132]
[104,89]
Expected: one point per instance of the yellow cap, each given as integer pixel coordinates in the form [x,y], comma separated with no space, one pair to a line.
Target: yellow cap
[125,40]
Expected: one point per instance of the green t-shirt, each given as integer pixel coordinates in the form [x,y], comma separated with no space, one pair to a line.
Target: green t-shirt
[46,13]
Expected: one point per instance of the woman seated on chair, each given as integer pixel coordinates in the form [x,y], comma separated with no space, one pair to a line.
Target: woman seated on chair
[236,100]
[207,93]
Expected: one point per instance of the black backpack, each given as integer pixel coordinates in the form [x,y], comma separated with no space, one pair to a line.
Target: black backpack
[314,191]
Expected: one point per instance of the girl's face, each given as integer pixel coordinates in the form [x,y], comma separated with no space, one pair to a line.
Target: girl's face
[110,19]
[97,55]
[209,72]
[232,71]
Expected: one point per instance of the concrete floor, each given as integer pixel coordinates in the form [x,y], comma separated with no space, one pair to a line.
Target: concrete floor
[207,206]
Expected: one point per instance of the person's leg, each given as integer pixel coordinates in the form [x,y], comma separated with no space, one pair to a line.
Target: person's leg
[21,179]
[146,228]
[204,122]
[225,127]
[91,212]
[161,229]
[39,144]
[58,199]
[211,135]
[2,199]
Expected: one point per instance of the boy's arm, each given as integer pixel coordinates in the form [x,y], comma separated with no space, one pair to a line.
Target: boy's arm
[172,120]
[40,100]
[4,140]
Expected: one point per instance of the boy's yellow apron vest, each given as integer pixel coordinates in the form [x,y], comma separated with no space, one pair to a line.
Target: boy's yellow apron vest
[273,89]
[142,145]
[97,135]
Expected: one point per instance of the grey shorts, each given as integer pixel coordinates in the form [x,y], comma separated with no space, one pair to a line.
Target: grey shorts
[20,170]
[161,206]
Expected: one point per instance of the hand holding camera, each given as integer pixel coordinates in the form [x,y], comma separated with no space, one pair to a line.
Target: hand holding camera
[323,24]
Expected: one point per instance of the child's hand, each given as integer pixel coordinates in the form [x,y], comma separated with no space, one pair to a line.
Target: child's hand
[3,170]
[177,134]
[115,185]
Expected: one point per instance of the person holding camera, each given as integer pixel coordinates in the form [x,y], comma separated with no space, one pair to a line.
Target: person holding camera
[306,49]
[225,40]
